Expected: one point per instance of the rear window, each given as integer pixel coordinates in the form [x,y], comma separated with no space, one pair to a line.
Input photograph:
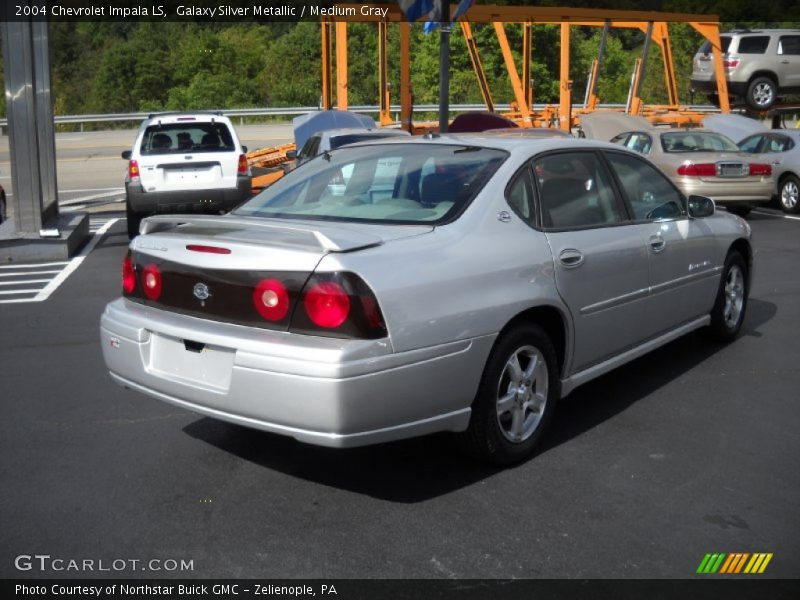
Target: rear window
[753,44]
[381,183]
[724,40]
[697,141]
[181,138]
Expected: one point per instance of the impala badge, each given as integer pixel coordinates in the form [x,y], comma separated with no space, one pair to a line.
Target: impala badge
[201,292]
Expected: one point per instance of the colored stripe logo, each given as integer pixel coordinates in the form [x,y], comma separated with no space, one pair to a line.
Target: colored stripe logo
[734,563]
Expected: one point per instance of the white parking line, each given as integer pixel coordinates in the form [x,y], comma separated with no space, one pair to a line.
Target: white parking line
[97,226]
[767,214]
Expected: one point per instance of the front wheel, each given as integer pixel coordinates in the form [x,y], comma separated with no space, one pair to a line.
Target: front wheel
[515,398]
[789,194]
[729,309]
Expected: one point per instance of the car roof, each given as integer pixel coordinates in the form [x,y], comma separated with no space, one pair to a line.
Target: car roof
[762,31]
[184,117]
[366,131]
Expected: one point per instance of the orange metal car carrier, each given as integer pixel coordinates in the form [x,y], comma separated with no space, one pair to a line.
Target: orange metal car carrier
[653,24]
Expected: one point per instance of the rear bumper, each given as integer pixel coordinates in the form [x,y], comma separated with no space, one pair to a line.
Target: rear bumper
[709,86]
[216,199]
[324,391]
[734,190]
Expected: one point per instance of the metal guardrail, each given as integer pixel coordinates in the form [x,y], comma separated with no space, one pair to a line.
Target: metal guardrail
[300,110]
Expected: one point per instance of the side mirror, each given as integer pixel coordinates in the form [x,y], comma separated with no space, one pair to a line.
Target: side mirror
[244,149]
[700,206]
[292,154]
[126,155]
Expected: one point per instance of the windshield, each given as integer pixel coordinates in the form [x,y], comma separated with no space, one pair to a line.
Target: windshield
[697,141]
[382,183]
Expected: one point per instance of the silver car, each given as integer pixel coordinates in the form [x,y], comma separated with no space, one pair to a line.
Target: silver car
[781,149]
[465,285]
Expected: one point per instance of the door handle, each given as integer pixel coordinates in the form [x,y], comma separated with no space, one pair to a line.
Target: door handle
[776,162]
[784,62]
[570,258]
[657,243]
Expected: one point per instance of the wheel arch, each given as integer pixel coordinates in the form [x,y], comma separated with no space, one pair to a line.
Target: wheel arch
[555,324]
[764,73]
[743,247]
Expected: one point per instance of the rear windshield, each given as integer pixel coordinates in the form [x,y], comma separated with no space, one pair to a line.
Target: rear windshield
[177,138]
[352,138]
[381,183]
[724,40]
[697,141]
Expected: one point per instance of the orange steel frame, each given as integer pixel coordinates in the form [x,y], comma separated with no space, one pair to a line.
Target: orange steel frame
[522,107]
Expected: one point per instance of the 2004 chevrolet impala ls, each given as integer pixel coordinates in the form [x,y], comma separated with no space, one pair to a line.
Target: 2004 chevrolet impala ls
[403,287]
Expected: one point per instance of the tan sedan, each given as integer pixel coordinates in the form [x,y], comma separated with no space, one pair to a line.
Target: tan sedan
[705,163]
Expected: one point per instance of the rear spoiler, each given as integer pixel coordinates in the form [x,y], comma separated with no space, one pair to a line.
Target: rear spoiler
[329,238]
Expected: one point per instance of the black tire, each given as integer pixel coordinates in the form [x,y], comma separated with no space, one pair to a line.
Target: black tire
[134,219]
[762,92]
[713,99]
[488,436]
[789,194]
[3,207]
[723,327]
[740,210]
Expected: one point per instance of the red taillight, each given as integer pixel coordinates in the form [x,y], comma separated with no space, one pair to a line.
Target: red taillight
[760,169]
[730,63]
[151,281]
[701,170]
[242,165]
[133,169]
[208,249]
[271,299]
[128,275]
[327,304]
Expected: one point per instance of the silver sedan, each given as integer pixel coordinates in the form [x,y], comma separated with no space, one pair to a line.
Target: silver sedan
[458,284]
[781,149]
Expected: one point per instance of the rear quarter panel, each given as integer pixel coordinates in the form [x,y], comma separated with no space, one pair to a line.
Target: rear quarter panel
[463,280]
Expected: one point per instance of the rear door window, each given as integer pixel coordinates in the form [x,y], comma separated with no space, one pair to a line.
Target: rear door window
[753,44]
[575,191]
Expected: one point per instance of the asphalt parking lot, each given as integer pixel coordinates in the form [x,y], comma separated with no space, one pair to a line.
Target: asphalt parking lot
[690,450]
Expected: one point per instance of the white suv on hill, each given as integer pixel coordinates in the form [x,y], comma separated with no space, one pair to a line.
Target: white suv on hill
[760,65]
[185,162]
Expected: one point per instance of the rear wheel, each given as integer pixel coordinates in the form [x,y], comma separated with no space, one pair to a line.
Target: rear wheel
[789,194]
[516,397]
[761,93]
[729,309]
[134,219]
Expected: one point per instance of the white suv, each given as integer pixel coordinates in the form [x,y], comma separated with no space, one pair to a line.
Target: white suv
[760,65]
[185,162]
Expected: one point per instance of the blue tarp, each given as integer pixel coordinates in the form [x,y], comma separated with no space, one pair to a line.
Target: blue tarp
[310,123]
